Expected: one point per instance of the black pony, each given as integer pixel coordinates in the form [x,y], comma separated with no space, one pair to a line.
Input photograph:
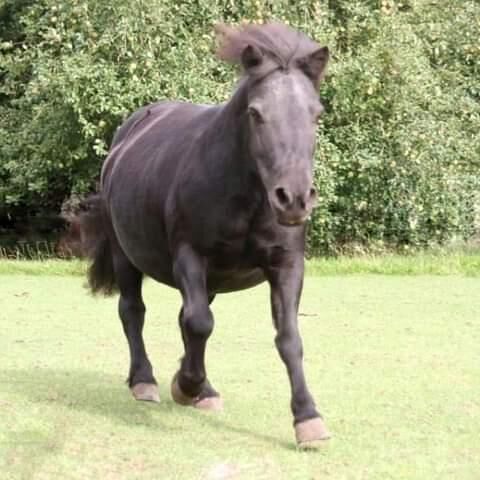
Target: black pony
[214,199]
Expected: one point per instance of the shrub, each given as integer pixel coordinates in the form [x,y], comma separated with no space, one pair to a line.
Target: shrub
[398,156]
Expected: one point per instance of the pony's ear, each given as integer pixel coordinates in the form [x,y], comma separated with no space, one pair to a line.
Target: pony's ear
[313,65]
[252,57]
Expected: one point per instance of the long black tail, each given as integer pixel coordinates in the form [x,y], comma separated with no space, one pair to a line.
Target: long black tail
[94,228]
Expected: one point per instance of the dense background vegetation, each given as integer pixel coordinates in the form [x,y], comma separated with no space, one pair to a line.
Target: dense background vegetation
[398,159]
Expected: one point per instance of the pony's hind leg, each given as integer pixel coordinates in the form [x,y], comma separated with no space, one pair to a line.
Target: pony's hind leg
[131,310]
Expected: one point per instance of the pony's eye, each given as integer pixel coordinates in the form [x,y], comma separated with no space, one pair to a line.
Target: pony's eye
[255,114]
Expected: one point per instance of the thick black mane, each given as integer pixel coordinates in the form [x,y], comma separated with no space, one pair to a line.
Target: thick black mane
[282,44]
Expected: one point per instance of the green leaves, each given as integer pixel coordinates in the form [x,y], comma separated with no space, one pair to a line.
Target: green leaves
[402,155]
[398,152]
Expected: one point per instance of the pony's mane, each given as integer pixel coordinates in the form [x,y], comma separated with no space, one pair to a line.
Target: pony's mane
[281,43]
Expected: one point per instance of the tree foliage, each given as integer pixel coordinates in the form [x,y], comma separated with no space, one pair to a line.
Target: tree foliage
[398,152]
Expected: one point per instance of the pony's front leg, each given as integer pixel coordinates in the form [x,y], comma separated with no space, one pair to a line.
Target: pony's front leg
[286,288]
[190,385]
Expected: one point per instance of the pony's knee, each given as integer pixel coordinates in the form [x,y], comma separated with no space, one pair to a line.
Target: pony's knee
[129,306]
[198,322]
[289,345]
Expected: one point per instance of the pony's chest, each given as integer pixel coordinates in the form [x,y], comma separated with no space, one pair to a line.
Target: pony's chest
[230,245]
[230,226]
[242,243]
[239,234]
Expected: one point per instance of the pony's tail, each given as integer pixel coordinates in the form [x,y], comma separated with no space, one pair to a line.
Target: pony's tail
[94,230]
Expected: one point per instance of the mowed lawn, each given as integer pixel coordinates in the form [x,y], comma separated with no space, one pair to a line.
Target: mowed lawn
[394,363]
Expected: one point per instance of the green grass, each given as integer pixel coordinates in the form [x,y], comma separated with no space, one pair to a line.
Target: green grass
[42,267]
[452,263]
[429,263]
[394,363]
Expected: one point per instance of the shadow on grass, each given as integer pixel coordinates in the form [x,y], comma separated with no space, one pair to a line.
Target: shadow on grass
[106,396]
[90,392]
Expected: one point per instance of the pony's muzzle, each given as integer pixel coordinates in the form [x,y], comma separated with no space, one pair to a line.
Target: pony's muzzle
[293,207]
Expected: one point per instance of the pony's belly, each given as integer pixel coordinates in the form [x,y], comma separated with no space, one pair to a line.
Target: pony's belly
[233,280]
[155,264]
[148,253]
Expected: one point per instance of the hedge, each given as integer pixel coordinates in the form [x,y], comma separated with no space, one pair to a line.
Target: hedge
[398,152]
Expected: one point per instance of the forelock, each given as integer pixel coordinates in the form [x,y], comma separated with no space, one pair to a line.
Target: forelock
[282,44]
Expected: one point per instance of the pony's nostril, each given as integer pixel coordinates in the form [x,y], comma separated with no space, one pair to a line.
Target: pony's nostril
[283,196]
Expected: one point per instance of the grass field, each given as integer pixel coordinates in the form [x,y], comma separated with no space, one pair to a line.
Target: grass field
[393,361]
[435,262]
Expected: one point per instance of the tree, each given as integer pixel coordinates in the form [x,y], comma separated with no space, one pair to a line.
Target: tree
[397,162]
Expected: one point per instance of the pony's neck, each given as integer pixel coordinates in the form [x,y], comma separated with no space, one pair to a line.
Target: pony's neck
[228,134]
[230,129]
[236,107]
[226,144]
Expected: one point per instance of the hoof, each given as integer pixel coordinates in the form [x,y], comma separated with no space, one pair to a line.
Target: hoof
[311,433]
[147,392]
[178,396]
[213,404]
